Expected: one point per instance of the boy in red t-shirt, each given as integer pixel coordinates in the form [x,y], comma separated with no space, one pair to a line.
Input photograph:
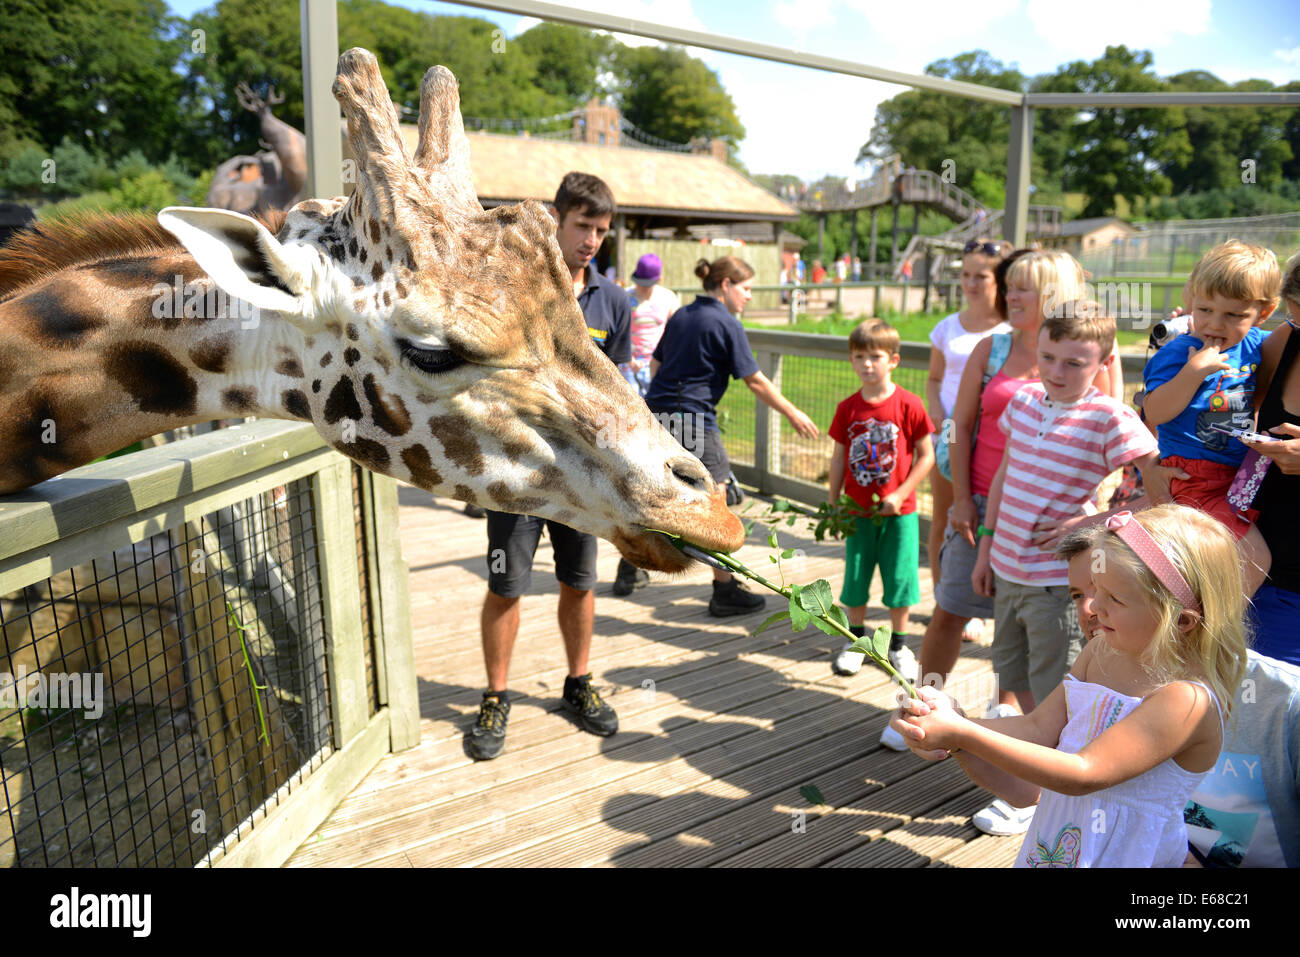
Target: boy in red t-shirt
[882,448]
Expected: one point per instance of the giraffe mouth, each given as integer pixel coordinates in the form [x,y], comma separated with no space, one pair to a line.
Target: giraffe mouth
[711,526]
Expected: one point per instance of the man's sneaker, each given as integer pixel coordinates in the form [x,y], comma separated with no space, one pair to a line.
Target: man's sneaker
[848,661]
[892,739]
[594,715]
[733,598]
[488,736]
[904,663]
[629,578]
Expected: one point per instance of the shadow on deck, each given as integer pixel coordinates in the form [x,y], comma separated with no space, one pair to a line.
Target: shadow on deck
[721,733]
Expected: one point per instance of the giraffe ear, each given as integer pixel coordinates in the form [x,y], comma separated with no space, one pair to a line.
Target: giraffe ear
[243,258]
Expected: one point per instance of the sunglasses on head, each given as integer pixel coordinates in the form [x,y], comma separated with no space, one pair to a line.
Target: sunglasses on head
[988,249]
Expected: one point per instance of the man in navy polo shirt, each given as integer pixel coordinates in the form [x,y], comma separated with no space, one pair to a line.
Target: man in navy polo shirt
[584,209]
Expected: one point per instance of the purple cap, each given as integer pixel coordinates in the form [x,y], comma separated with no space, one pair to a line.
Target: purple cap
[649,270]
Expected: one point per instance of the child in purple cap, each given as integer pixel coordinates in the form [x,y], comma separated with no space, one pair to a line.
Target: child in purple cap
[652,305]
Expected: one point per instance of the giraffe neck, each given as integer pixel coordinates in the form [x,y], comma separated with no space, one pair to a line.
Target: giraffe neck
[98,356]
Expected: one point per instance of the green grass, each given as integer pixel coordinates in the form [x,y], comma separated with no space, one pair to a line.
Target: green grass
[915,327]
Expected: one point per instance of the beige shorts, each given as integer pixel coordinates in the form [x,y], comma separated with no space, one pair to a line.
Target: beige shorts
[1036,636]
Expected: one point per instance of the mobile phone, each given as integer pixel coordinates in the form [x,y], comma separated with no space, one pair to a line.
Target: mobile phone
[1243,434]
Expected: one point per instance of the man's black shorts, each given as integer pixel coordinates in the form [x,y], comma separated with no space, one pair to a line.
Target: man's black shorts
[512,542]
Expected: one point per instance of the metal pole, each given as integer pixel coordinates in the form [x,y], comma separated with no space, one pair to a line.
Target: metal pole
[1019,151]
[320,57]
[872,256]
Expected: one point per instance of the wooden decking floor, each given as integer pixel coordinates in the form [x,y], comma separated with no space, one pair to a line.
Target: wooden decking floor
[721,733]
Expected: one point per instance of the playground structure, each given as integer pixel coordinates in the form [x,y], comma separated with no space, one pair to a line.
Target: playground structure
[893,186]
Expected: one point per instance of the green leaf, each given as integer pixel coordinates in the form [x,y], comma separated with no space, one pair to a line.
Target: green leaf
[880,641]
[772,558]
[780,505]
[837,615]
[772,620]
[799,618]
[816,598]
[792,519]
[749,527]
[771,539]
[812,794]
[788,553]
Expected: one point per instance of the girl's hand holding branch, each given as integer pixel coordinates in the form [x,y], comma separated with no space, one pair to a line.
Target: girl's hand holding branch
[906,721]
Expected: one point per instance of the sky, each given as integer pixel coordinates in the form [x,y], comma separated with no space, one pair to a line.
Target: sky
[810,123]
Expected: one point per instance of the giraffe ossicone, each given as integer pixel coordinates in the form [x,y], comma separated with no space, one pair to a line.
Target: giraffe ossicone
[424,337]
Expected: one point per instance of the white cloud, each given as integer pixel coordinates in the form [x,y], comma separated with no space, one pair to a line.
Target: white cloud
[1288,56]
[1085,33]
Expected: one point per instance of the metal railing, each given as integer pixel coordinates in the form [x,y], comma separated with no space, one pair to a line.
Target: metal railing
[203,648]
[813,372]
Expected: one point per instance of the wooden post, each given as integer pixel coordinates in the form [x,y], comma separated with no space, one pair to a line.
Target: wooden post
[929,279]
[332,497]
[620,247]
[893,241]
[767,426]
[872,255]
[401,691]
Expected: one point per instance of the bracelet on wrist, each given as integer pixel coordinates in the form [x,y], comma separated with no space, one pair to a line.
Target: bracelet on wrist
[984,530]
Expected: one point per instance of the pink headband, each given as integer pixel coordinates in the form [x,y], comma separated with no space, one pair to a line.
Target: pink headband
[1153,556]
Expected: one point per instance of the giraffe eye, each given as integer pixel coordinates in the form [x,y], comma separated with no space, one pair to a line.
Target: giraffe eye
[432,361]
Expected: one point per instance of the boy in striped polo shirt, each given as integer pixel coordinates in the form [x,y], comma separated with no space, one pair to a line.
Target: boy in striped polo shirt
[1063,437]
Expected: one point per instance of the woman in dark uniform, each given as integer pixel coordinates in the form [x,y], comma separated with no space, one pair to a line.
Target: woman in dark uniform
[703,348]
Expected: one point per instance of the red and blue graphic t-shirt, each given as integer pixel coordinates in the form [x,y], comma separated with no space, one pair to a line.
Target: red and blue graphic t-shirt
[878,439]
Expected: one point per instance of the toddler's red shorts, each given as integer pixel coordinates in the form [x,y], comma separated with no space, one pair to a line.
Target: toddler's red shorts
[1207,491]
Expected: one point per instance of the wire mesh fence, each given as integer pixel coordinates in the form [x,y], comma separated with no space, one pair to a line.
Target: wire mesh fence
[152,699]
[816,386]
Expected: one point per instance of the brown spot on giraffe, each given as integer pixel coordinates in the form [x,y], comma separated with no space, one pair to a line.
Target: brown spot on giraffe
[351,356]
[352,332]
[523,504]
[296,404]
[210,355]
[315,385]
[388,302]
[342,402]
[374,230]
[25,428]
[334,328]
[466,494]
[239,399]
[458,442]
[401,290]
[51,319]
[289,367]
[416,458]
[368,452]
[377,271]
[153,377]
[326,359]
[386,409]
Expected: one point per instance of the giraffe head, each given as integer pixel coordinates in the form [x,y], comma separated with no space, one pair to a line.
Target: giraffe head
[443,344]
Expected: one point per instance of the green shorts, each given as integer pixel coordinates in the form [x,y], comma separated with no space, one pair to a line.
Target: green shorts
[895,546]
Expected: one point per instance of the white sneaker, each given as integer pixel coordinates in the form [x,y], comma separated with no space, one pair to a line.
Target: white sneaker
[848,661]
[974,630]
[1001,819]
[1001,711]
[904,663]
[892,739]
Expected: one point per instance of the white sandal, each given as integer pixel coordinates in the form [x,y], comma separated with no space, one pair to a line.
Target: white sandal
[974,630]
[1001,819]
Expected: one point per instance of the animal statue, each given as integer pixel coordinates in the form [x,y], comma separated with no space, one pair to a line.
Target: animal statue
[422,336]
[270,179]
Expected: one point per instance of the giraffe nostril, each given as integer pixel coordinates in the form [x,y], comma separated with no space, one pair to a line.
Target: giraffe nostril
[690,473]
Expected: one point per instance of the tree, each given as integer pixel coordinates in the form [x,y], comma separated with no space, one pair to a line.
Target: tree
[670,94]
[1115,151]
[927,129]
[99,71]
[571,63]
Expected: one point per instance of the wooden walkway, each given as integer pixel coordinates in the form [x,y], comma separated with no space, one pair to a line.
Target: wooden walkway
[721,733]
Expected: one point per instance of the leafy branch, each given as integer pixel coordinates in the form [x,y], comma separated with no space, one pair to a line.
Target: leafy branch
[810,604]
